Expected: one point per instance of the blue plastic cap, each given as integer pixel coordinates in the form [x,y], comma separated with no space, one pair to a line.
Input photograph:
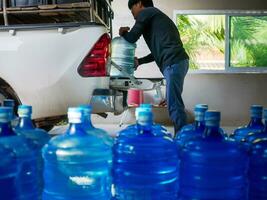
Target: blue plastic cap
[144,117]
[145,105]
[256,111]
[6,114]
[87,109]
[143,108]
[75,114]
[202,106]
[9,103]
[199,113]
[24,110]
[265,114]
[211,115]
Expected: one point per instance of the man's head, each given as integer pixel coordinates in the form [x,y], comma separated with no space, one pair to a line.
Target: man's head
[138,5]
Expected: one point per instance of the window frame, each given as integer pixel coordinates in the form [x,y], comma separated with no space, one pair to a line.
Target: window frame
[228,14]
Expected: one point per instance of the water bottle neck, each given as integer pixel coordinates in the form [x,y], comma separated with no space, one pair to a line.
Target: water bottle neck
[75,128]
[6,129]
[199,125]
[87,121]
[212,132]
[254,121]
[25,123]
[144,128]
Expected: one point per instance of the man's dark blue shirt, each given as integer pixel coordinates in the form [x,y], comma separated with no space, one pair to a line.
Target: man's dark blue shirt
[161,36]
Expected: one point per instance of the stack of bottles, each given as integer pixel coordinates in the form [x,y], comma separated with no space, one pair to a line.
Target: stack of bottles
[76,163]
[145,163]
[25,177]
[37,136]
[255,125]
[213,167]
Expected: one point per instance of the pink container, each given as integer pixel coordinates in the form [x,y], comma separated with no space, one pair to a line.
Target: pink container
[135,97]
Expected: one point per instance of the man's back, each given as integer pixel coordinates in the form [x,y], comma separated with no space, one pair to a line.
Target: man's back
[162,37]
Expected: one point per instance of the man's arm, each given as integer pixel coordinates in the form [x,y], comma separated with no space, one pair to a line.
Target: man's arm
[147,59]
[134,34]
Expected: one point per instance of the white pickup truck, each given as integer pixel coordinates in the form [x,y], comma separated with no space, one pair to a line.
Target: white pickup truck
[56,56]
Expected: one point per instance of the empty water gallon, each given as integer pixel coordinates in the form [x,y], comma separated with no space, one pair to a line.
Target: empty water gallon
[26,179]
[194,130]
[76,164]
[9,169]
[212,167]
[38,137]
[122,54]
[145,165]
[90,129]
[199,115]
[257,135]
[255,125]
[257,170]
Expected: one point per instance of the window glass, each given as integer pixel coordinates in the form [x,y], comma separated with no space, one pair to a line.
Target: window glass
[248,41]
[203,37]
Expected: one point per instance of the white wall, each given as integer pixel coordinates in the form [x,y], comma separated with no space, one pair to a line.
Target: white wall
[230,93]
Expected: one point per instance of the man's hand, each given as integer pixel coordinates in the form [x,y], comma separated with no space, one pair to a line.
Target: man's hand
[163,103]
[136,63]
[123,30]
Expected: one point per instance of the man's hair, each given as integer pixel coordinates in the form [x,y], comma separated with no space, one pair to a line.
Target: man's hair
[145,3]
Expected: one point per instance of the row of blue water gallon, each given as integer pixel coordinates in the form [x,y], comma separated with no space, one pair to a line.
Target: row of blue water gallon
[143,162]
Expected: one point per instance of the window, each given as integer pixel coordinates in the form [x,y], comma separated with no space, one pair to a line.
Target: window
[224,40]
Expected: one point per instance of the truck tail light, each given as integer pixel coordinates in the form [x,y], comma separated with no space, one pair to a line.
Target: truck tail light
[94,64]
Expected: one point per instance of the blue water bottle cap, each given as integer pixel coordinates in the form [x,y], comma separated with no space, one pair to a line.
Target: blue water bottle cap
[9,103]
[256,111]
[6,114]
[202,106]
[212,118]
[24,110]
[143,107]
[199,113]
[265,114]
[144,117]
[75,115]
[87,109]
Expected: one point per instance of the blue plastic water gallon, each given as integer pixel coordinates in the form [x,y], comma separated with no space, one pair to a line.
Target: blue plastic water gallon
[122,54]
[11,103]
[26,157]
[145,164]
[8,174]
[88,126]
[38,137]
[212,167]
[257,170]
[257,135]
[194,130]
[255,125]
[200,112]
[76,164]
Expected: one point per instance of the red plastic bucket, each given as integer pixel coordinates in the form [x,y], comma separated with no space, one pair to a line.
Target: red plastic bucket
[135,97]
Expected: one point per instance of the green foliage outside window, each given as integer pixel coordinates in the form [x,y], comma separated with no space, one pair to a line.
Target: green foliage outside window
[204,40]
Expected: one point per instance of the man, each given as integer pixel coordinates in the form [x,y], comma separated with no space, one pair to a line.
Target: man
[163,39]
